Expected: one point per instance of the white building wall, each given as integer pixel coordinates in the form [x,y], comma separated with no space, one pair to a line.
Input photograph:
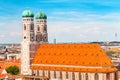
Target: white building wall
[51,75]
[27,39]
[58,74]
[91,76]
[63,75]
[46,73]
[76,75]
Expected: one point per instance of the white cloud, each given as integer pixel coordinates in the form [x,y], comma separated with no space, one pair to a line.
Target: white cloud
[77,27]
[2,36]
[10,32]
[15,34]
[84,27]
[79,16]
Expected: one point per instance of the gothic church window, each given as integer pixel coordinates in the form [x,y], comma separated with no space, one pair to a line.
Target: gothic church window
[43,72]
[38,28]
[108,76]
[66,75]
[96,76]
[73,76]
[86,76]
[37,73]
[115,78]
[61,74]
[49,74]
[31,27]
[54,74]
[80,76]
[45,29]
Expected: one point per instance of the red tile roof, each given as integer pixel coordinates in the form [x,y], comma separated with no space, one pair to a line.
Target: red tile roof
[6,63]
[51,56]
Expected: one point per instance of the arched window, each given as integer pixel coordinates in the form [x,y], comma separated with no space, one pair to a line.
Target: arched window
[31,27]
[54,74]
[80,78]
[61,74]
[96,76]
[45,29]
[38,28]
[43,73]
[108,76]
[48,74]
[73,76]
[115,78]
[66,75]
[24,27]
[86,76]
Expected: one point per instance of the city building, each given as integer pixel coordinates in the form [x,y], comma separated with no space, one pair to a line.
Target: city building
[60,61]
[73,62]
[31,37]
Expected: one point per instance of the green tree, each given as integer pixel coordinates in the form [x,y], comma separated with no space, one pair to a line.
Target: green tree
[14,70]
[109,53]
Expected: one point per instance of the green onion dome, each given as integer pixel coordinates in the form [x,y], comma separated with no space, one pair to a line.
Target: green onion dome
[27,13]
[41,15]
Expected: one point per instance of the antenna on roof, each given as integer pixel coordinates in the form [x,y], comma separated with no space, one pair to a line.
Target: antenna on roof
[54,41]
[116,36]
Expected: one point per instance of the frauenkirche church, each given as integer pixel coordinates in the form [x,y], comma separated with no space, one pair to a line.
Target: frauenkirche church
[60,61]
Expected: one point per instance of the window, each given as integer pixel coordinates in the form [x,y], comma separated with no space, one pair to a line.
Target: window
[45,29]
[115,78]
[38,28]
[43,73]
[31,27]
[37,73]
[24,37]
[24,27]
[108,76]
[60,74]
[48,74]
[66,75]
[54,74]
[73,76]
[86,76]
[96,76]
[32,38]
[80,76]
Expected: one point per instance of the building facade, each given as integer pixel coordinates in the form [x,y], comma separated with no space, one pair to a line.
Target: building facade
[60,61]
[31,37]
[73,62]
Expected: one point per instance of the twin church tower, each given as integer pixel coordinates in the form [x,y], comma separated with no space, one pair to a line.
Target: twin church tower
[32,36]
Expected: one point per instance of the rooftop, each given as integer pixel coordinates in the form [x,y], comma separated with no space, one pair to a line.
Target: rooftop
[69,57]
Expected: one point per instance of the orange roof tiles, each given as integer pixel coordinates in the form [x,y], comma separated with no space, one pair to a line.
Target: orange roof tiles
[90,55]
[6,63]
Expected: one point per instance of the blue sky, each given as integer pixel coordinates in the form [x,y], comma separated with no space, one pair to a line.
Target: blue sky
[68,20]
